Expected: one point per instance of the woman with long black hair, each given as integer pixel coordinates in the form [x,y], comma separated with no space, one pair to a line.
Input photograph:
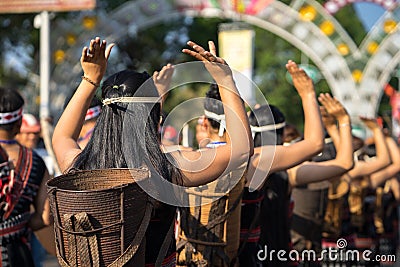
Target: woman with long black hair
[133,94]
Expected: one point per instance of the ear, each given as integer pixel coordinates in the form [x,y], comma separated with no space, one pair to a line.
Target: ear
[205,124]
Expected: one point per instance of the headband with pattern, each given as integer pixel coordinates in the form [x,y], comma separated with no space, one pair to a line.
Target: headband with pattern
[93,112]
[12,116]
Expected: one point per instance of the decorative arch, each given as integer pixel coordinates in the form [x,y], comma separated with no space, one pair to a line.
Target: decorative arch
[356,75]
[333,6]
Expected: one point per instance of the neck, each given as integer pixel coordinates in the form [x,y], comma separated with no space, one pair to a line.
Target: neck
[6,135]
[217,138]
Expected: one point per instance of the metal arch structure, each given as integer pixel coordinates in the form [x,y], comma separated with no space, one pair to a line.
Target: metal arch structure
[334,52]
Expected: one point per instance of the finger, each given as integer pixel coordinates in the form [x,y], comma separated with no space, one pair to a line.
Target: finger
[212,48]
[103,46]
[108,50]
[96,46]
[85,52]
[91,48]
[196,47]
[193,54]
[155,75]
[209,56]
[291,66]
[323,97]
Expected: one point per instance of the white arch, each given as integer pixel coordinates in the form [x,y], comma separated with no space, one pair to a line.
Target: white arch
[278,18]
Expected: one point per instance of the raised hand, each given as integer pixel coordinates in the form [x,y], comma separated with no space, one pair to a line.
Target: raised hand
[301,81]
[333,106]
[162,79]
[216,66]
[94,59]
[371,123]
[327,119]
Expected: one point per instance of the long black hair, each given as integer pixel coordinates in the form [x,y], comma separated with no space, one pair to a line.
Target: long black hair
[126,134]
[10,100]
[267,115]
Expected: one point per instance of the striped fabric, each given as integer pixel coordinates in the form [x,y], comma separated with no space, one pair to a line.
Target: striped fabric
[15,209]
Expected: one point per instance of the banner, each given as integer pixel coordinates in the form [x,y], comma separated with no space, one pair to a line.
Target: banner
[236,46]
[36,6]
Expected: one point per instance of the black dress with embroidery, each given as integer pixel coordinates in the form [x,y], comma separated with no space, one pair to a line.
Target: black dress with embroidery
[17,194]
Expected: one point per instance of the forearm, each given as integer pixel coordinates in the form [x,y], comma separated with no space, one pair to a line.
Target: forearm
[381,176]
[333,132]
[382,152]
[313,130]
[237,124]
[344,147]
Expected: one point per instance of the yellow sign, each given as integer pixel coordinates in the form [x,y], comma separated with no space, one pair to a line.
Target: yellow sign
[36,6]
[236,46]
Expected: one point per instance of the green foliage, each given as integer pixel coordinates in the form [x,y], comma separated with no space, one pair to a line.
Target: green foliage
[21,40]
[353,26]
[153,47]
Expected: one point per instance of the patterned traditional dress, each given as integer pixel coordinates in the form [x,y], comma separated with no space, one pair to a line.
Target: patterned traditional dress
[18,190]
[275,216]
[159,232]
[250,228]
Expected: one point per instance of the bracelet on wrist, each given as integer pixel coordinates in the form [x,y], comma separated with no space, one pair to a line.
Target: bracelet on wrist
[344,124]
[90,81]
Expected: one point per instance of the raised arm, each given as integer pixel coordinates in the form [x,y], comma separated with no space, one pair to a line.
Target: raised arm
[330,125]
[162,80]
[94,63]
[377,178]
[309,172]
[269,159]
[382,158]
[205,166]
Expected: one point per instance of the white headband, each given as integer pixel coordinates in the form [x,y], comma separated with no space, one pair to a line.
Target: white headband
[218,117]
[259,129]
[12,116]
[137,99]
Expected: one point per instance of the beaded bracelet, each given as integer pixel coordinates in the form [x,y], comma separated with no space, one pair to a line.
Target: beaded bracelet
[90,81]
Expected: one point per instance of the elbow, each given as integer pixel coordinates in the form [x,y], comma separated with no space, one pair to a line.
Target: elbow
[47,220]
[240,160]
[386,162]
[317,147]
[348,164]
[38,222]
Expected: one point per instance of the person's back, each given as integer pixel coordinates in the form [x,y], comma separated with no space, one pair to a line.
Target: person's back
[199,243]
[135,114]
[269,224]
[22,188]
[271,157]
[309,209]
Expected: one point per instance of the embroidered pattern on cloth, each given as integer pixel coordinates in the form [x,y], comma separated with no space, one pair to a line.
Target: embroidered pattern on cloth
[13,182]
[93,112]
